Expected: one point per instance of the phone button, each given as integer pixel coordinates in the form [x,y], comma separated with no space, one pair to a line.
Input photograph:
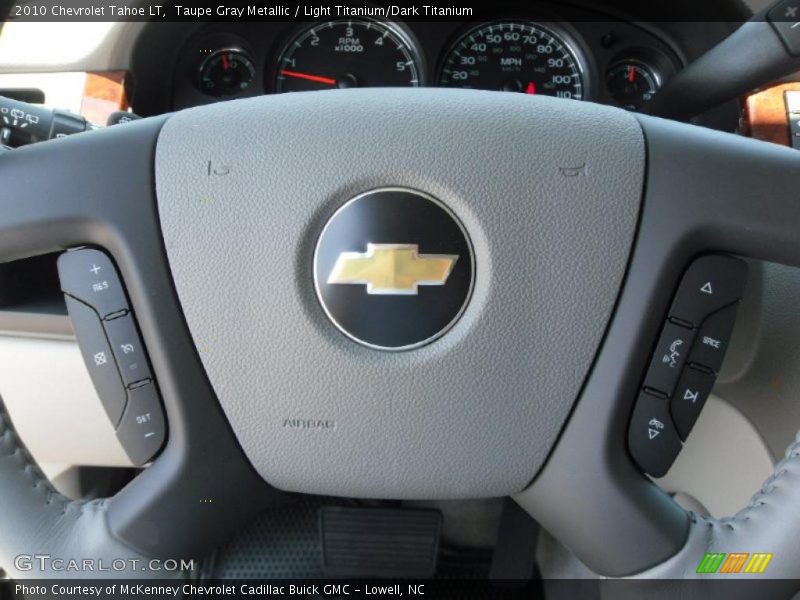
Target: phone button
[670,356]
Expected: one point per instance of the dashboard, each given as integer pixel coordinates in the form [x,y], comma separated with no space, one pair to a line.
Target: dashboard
[569,54]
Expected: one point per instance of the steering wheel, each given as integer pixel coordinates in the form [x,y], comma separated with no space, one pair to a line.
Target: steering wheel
[578,221]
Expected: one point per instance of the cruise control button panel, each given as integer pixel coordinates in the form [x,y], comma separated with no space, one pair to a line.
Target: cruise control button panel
[686,360]
[108,336]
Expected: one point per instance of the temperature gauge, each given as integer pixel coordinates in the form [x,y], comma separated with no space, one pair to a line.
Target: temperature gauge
[226,72]
[632,83]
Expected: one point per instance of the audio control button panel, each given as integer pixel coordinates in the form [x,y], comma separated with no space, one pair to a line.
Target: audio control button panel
[686,360]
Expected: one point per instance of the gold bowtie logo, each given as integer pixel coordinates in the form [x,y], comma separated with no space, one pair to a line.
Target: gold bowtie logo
[392,269]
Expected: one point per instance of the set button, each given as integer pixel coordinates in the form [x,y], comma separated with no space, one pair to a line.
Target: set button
[142,429]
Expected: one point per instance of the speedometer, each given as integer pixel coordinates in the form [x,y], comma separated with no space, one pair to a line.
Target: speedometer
[343,54]
[515,56]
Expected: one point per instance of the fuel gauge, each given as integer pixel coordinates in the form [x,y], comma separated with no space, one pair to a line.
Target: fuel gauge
[226,72]
[632,83]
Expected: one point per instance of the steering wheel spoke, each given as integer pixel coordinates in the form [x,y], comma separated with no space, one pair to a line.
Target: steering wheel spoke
[98,189]
[706,192]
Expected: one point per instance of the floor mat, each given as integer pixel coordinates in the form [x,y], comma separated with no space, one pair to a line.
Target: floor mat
[284,542]
[281,543]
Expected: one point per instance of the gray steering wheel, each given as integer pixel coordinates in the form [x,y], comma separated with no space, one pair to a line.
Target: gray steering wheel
[578,222]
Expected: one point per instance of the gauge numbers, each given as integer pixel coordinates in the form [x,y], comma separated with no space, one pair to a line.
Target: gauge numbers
[515,56]
[344,54]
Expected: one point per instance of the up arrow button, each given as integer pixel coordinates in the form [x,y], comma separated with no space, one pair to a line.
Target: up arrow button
[710,283]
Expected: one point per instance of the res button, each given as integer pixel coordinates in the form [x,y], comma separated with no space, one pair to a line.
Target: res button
[90,276]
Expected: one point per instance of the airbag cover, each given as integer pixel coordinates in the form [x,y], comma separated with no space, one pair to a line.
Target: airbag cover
[548,191]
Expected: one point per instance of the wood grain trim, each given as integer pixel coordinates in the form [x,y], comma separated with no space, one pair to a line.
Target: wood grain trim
[104,93]
[764,115]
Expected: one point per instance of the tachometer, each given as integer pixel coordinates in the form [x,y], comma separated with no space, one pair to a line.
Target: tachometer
[515,56]
[343,54]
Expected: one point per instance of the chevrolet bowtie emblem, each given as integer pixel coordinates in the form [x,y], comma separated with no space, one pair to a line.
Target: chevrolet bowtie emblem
[392,269]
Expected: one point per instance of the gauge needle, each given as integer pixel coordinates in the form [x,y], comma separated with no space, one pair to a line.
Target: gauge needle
[225,64]
[531,89]
[631,74]
[307,76]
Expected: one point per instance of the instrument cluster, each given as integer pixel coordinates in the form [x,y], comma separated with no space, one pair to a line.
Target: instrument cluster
[605,61]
